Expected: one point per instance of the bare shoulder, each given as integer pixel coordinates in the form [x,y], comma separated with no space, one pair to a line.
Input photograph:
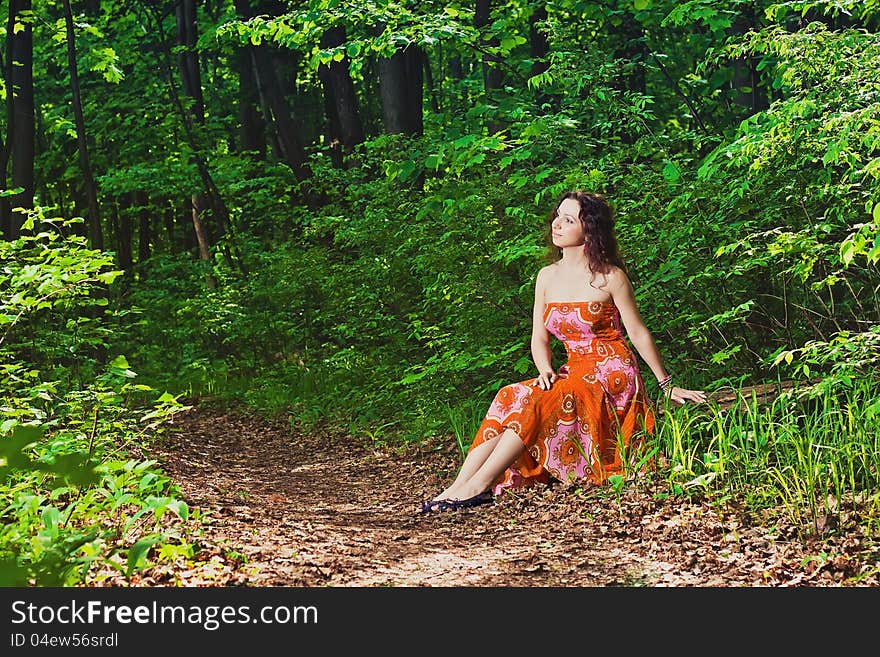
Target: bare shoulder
[544,275]
[546,270]
[542,282]
[617,278]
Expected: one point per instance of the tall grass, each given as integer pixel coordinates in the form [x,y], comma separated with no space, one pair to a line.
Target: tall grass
[464,420]
[814,457]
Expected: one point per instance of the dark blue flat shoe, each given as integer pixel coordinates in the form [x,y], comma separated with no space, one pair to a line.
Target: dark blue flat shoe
[485,497]
[434,506]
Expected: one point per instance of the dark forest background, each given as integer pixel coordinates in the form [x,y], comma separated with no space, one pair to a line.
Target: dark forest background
[334,211]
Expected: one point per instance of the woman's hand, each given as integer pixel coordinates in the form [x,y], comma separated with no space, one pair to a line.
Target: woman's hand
[545,380]
[683,395]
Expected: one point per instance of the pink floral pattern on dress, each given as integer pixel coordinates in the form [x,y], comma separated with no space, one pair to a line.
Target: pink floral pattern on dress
[575,430]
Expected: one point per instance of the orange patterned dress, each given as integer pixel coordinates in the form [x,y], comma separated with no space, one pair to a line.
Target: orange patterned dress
[595,416]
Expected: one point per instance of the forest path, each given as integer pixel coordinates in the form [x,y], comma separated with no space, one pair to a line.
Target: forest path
[314,509]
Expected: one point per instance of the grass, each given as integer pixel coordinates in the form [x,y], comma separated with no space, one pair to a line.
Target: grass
[816,457]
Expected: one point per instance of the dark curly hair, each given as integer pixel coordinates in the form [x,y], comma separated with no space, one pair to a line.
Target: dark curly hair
[597,218]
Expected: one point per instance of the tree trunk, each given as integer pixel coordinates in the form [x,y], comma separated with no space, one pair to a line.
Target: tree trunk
[5,216]
[291,146]
[538,45]
[392,85]
[96,237]
[745,72]
[122,219]
[265,111]
[144,230]
[190,74]
[333,130]
[343,112]
[183,216]
[20,120]
[455,71]
[188,59]
[201,236]
[433,92]
[539,48]
[414,57]
[168,221]
[252,131]
[401,89]
[492,78]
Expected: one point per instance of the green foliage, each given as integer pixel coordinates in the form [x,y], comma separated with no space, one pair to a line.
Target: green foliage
[797,204]
[68,504]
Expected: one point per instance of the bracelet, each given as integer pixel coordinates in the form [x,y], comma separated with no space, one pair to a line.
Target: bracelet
[666,384]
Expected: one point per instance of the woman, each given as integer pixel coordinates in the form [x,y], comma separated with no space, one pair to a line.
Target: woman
[588,419]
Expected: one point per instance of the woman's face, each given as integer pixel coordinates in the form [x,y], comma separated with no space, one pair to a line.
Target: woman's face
[566,227]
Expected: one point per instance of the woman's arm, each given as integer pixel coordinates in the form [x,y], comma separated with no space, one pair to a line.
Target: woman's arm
[624,298]
[541,351]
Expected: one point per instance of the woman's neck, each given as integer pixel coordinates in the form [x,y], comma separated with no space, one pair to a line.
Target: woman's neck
[574,257]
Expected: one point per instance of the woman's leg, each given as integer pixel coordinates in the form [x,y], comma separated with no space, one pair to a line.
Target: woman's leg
[472,462]
[483,465]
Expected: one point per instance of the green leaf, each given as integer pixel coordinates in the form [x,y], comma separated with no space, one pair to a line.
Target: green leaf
[119,363]
[137,553]
[671,172]
[847,252]
[11,446]
[12,574]
[874,254]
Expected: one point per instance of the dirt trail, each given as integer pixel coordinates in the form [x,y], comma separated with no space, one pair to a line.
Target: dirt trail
[314,509]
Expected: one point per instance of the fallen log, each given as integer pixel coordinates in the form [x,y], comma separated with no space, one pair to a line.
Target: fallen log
[762,394]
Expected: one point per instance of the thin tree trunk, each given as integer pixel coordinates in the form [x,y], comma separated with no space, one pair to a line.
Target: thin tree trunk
[290,143]
[183,217]
[190,74]
[122,220]
[187,58]
[745,71]
[144,229]
[5,145]
[492,78]
[455,71]
[539,49]
[168,221]
[333,131]
[414,59]
[96,238]
[201,237]
[221,212]
[429,83]
[21,121]
[252,132]
[272,135]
